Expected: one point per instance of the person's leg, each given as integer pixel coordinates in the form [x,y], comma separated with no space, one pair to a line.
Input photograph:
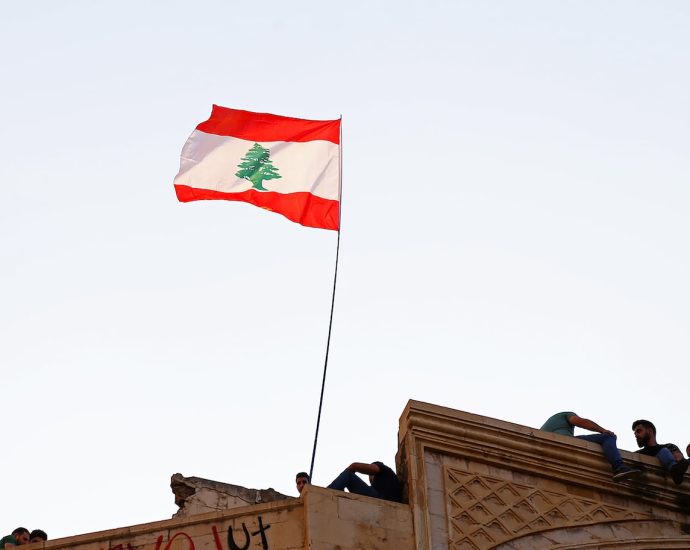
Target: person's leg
[666,458]
[340,482]
[676,468]
[353,483]
[608,445]
[621,472]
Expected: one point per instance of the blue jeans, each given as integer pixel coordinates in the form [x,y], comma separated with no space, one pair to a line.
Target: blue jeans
[666,458]
[353,483]
[608,444]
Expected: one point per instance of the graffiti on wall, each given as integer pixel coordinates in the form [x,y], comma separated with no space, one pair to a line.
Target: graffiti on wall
[239,539]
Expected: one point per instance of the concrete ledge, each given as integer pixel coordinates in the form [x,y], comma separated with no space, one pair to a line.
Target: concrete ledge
[321,519]
[346,521]
[479,482]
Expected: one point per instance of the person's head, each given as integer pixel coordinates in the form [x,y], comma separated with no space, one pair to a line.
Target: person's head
[38,535]
[645,433]
[22,535]
[302,479]
[687,450]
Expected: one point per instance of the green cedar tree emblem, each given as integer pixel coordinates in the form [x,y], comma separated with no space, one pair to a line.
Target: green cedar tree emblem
[256,166]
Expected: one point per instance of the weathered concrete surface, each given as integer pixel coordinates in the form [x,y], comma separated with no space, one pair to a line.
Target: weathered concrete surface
[195,495]
[276,525]
[471,482]
[476,482]
[336,520]
[320,520]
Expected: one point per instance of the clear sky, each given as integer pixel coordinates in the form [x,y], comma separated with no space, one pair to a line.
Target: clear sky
[514,238]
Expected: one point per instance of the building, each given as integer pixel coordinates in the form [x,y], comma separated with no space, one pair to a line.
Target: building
[471,482]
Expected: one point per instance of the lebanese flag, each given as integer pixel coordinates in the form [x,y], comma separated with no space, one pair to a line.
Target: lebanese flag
[287,165]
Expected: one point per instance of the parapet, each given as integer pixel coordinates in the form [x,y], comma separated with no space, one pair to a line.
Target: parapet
[321,519]
[471,482]
[196,495]
[476,482]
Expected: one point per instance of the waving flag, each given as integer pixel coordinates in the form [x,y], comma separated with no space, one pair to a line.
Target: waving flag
[287,165]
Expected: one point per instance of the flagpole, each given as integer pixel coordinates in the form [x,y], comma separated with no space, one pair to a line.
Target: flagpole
[335,279]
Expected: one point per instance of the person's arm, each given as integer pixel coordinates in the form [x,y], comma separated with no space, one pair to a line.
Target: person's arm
[675,451]
[587,424]
[364,468]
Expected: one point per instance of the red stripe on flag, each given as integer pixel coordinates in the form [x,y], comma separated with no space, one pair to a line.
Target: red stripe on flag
[303,208]
[267,127]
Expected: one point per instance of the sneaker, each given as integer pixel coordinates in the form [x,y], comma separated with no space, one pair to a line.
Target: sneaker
[678,471]
[623,473]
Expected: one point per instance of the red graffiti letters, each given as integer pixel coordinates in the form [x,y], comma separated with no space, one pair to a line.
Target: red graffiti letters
[231,543]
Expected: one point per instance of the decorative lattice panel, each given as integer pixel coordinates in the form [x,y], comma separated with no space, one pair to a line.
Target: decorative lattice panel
[484,511]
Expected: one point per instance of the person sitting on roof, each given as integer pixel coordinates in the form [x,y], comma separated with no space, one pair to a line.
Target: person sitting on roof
[38,535]
[564,423]
[384,481]
[645,436]
[18,537]
[301,480]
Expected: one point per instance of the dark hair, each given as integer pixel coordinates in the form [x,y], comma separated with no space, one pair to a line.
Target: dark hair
[303,474]
[20,531]
[646,424]
[40,533]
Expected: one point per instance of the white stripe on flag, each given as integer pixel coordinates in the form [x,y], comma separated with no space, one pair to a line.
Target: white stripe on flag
[298,163]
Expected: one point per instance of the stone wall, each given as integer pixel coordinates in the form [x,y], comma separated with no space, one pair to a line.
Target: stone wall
[320,520]
[276,525]
[471,482]
[195,495]
[342,521]
[476,482]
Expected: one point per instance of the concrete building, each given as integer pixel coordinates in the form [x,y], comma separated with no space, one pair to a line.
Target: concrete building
[470,481]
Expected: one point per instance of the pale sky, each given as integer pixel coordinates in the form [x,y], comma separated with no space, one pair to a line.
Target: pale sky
[514,238]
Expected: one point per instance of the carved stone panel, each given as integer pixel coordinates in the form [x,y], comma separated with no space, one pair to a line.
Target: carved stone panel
[484,511]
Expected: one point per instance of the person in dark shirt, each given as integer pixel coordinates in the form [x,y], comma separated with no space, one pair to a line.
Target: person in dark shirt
[18,537]
[645,435]
[38,535]
[384,482]
[675,451]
